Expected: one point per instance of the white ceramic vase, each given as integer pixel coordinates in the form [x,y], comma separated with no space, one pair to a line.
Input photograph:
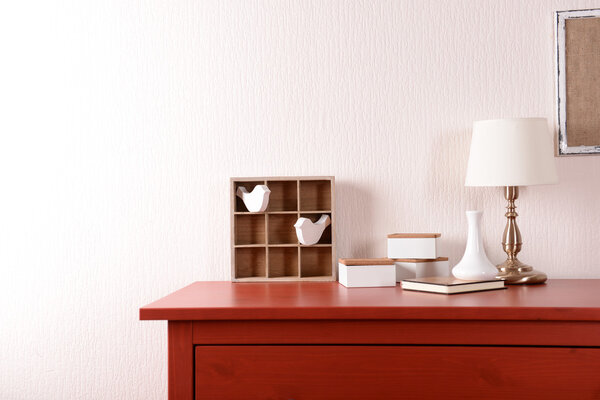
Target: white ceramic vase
[474,264]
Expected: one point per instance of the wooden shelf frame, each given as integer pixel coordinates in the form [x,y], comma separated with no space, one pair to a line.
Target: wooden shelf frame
[264,246]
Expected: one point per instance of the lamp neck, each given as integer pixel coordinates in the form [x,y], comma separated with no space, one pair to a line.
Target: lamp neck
[511,239]
[511,193]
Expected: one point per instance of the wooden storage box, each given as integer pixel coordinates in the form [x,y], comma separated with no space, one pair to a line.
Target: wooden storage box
[365,272]
[414,245]
[264,245]
[418,268]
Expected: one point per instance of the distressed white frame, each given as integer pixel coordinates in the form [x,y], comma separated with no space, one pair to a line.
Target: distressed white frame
[561,90]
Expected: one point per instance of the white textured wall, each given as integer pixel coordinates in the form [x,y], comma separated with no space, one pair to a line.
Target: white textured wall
[121,122]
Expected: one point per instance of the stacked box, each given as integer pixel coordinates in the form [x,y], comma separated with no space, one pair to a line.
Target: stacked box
[420,268]
[410,255]
[367,272]
[414,246]
[417,255]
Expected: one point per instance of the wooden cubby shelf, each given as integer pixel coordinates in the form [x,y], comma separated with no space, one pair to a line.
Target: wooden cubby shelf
[264,244]
[315,195]
[284,196]
[283,261]
[281,228]
[249,229]
[250,262]
[315,261]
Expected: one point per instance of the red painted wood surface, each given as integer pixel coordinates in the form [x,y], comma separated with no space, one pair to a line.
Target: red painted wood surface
[463,332]
[181,360]
[395,372]
[563,299]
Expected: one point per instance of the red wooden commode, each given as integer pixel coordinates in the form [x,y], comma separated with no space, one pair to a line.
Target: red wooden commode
[320,340]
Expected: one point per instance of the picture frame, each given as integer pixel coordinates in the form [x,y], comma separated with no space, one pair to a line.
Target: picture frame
[578,79]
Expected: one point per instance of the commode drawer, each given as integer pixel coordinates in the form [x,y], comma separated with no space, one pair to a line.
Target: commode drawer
[362,372]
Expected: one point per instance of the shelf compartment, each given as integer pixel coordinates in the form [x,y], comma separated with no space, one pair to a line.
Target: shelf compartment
[281,229]
[249,229]
[283,261]
[284,196]
[316,261]
[314,217]
[251,262]
[239,203]
[315,195]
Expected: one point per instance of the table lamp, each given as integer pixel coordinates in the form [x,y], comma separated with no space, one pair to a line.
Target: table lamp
[511,153]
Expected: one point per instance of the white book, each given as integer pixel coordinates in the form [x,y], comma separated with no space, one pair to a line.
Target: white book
[450,285]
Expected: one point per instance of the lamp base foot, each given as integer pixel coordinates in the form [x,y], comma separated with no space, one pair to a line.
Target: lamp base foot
[514,272]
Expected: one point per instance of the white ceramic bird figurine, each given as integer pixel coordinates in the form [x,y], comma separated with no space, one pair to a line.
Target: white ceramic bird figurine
[257,200]
[309,233]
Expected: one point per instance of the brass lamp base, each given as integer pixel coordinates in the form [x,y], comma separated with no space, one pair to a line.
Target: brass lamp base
[513,271]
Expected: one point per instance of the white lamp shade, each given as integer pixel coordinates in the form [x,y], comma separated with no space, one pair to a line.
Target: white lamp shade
[511,152]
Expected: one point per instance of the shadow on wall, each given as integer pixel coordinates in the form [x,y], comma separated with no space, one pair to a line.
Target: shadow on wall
[354,219]
[448,162]
[446,185]
[453,248]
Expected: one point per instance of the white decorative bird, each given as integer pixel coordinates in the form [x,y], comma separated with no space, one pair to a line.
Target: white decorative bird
[257,200]
[308,232]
